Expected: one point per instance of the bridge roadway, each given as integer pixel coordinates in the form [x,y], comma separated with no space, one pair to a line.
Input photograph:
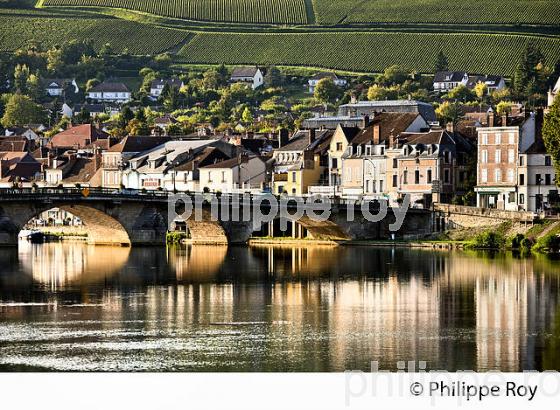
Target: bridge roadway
[132,217]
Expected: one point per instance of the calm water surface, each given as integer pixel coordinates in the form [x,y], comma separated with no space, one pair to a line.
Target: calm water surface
[76,307]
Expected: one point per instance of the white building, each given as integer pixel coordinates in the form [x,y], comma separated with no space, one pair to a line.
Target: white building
[553,93]
[107,91]
[158,85]
[313,81]
[448,80]
[234,175]
[536,178]
[253,76]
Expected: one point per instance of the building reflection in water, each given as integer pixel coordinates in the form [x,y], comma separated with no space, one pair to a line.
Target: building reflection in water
[318,308]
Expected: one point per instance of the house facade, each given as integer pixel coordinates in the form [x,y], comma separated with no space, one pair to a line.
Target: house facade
[109,91]
[157,86]
[252,76]
[445,81]
[240,174]
[499,149]
[313,81]
[537,189]
[301,163]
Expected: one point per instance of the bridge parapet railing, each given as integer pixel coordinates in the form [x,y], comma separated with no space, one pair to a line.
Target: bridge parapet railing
[486,212]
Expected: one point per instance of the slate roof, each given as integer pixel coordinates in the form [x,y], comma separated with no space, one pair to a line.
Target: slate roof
[449,76]
[244,72]
[138,144]
[109,87]
[172,82]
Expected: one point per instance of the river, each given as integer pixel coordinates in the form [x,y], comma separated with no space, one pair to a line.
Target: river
[70,306]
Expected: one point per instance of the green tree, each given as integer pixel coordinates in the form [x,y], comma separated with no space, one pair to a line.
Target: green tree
[223,74]
[211,80]
[395,75]
[273,77]
[22,110]
[141,115]
[54,60]
[442,63]
[504,107]
[21,74]
[33,87]
[247,116]
[377,93]
[551,134]
[326,90]
[174,129]
[449,112]
[461,93]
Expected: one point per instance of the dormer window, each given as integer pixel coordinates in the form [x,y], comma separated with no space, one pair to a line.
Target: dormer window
[359,150]
[350,150]
[368,149]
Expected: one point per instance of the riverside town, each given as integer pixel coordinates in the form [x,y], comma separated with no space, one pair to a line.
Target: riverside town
[282,186]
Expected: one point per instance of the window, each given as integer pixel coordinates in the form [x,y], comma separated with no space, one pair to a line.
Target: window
[511,138]
[348,175]
[294,177]
[547,160]
[349,150]
[484,139]
[405,177]
[359,150]
[498,157]
[334,162]
[498,175]
[381,186]
[358,174]
[484,175]
[446,178]
[395,163]
[510,176]
[223,176]
[521,160]
[547,179]
[521,199]
[447,157]
[538,179]
[511,197]
[498,139]
[339,146]
[511,156]
[382,151]
[368,149]
[484,155]
[417,177]
[462,176]
[429,176]
[521,179]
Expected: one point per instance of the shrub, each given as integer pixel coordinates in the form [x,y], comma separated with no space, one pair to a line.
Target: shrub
[548,244]
[488,240]
[175,236]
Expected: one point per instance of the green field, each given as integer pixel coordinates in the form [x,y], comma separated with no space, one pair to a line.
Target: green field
[19,27]
[438,11]
[366,52]
[231,11]
[479,36]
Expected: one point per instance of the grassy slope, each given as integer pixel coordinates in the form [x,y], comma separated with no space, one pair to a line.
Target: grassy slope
[438,11]
[358,48]
[55,28]
[367,51]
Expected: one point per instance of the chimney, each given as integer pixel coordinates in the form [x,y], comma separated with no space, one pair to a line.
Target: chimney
[391,139]
[365,121]
[353,99]
[311,136]
[491,119]
[450,127]
[283,137]
[376,132]
[504,120]
[539,119]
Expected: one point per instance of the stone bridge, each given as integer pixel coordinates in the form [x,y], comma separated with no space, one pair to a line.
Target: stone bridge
[113,217]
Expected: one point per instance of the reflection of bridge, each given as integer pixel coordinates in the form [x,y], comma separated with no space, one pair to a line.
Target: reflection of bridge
[116,217]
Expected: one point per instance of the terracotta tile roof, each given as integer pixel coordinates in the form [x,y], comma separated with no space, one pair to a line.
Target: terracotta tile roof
[388,122]
[77,137]
[80,170]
